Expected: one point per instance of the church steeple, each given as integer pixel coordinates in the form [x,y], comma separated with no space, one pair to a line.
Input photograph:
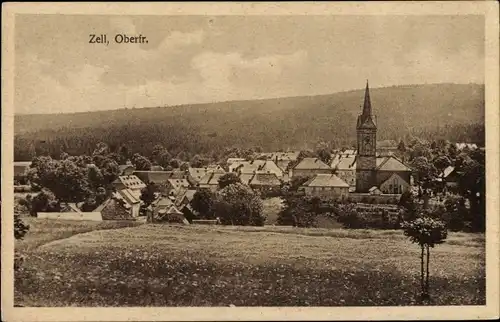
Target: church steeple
[367,107]
[367,119]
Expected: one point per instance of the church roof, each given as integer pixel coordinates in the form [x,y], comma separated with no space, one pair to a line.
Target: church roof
[391,163]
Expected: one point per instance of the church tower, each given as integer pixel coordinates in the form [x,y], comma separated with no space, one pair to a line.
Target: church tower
[366,160]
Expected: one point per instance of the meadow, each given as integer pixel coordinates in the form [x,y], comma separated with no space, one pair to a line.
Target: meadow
[109,264]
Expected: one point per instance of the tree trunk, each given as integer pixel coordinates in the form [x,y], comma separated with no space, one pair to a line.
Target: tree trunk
[427,272]
[422,271]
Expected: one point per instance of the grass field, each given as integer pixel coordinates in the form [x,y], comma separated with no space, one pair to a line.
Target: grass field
[160,265]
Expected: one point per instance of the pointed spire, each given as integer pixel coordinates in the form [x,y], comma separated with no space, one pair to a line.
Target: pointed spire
[367,107]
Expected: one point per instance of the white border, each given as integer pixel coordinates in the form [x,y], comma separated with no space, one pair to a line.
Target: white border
[487,8]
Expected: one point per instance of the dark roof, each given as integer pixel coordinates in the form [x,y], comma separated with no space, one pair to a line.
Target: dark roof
[160,177]
[311,164]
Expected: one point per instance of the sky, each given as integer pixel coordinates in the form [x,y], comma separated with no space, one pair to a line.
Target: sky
[199,59]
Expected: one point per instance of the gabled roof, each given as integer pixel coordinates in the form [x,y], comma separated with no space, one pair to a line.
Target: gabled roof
[245,178]
[178,183]
[187,194]
[392,177]
[198,173]
[311,164]
[344,162]
[130,196]
[211,178]
[159,177]
[131,182]
[391,163]
[256,165]
[264,179]
[326,180]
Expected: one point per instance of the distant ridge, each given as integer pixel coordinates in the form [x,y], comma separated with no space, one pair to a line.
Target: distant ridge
[280,122]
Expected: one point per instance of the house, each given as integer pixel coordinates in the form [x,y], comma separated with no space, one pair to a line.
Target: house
[449,177]
[195,174]
[260,180]
[256,165]
[210,181]
[174,186]
[344,166]
[115,208]
[326,185]
[311,167]
[132,200]
[160,177]
[184,198]
[128,182]
[171,215]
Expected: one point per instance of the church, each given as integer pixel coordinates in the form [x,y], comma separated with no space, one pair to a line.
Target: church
[386,174]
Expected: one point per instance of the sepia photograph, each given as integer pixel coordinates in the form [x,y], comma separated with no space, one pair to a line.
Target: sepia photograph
[251,158]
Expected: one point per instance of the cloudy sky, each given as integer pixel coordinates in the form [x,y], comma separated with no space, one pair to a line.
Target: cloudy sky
[194,59]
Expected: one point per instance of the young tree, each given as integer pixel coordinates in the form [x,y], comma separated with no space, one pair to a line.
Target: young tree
[426,232]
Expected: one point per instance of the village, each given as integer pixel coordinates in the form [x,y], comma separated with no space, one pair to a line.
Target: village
[374,172]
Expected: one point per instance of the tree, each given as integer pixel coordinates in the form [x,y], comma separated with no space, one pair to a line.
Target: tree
[164,159]
[148,194]
[228,179]
[66,179]
[238,204]
[184,166]
[140,162]
[20,228]
[202,202]
[175,163]
[44,201]
[441,162]
[299,211]
[158,150]
[407,201]
[426,232]
[101,149]
[425,170]
[323,152]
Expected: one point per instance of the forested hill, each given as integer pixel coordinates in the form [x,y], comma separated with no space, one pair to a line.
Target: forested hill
[281,123]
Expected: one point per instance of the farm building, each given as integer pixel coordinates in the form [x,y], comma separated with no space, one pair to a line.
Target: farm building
[326,185]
